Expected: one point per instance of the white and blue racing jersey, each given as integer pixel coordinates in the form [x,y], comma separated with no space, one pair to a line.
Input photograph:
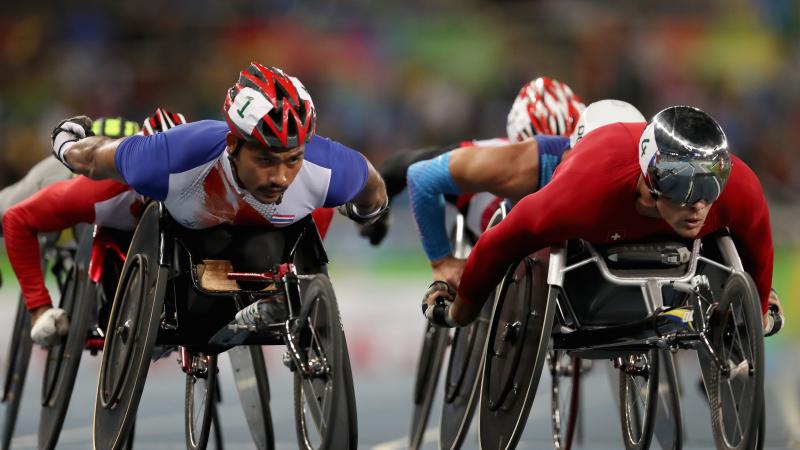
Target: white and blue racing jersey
[187,168]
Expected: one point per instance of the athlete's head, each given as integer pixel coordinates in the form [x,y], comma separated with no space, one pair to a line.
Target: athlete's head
[543,106]
[162,120]
[114,127]
[271,116]
[602,113]
[685,163]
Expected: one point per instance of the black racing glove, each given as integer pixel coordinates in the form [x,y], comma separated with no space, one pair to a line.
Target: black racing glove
[377,230]
[439,314]
[68,132]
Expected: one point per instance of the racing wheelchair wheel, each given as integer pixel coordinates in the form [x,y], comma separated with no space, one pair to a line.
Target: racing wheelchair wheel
[131,335]
[462,381]
[736,392]
[252,385]
[638,398]
[429,365]
[19,355]
[324,401]
[201,389]
[565,375]
[516,349]
[78,298]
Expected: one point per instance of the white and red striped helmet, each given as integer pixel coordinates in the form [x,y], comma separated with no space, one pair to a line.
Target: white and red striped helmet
[161,121]
[543,106]
[270,107]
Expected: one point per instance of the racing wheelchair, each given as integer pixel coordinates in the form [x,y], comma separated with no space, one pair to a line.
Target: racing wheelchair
[631,304]
[464,369]
[182,287]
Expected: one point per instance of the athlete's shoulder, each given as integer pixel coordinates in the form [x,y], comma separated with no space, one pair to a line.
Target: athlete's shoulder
[146,162]
[348,168]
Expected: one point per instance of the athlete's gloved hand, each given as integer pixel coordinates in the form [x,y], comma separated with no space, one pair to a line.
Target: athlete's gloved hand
[67,133]
[437,303]
[351,211]
[377,230]
[50,326]
[773,319]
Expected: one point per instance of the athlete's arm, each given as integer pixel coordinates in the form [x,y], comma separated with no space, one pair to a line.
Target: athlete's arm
[54,208]
[510,171]
[373,196]
[750,227]
[394,169]
[94,158]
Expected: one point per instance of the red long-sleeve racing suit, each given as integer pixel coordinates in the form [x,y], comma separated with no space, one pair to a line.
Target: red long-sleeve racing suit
[593,196]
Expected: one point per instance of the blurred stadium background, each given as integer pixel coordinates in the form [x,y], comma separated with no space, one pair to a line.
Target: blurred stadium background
[388,76]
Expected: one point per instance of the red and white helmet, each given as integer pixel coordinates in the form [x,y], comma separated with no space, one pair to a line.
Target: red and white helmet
[269,107]
[161,121]
[543,106]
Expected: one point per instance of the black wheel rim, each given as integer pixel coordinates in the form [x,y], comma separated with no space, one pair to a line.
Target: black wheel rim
[123,332]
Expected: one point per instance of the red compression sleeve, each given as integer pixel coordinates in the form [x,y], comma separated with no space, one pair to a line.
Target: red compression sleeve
[54,208]
[748,216]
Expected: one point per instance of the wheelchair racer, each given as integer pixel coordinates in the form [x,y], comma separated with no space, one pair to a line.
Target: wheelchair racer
[60,206]
[262,166]
[626,182]
[510,171]
[543,106]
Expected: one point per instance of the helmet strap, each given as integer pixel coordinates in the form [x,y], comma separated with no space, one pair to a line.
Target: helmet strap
[232,159]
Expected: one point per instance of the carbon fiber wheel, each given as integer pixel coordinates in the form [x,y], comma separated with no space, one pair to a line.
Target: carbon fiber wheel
[131,335]
[429,365]
[463,378]
[736,392]
[324,400]
[78,299]
[19,356]
[516,350]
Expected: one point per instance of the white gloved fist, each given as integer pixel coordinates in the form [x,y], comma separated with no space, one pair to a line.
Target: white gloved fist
[67,133]
[50,327]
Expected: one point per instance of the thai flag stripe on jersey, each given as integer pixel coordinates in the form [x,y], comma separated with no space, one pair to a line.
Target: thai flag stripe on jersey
[188,169]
